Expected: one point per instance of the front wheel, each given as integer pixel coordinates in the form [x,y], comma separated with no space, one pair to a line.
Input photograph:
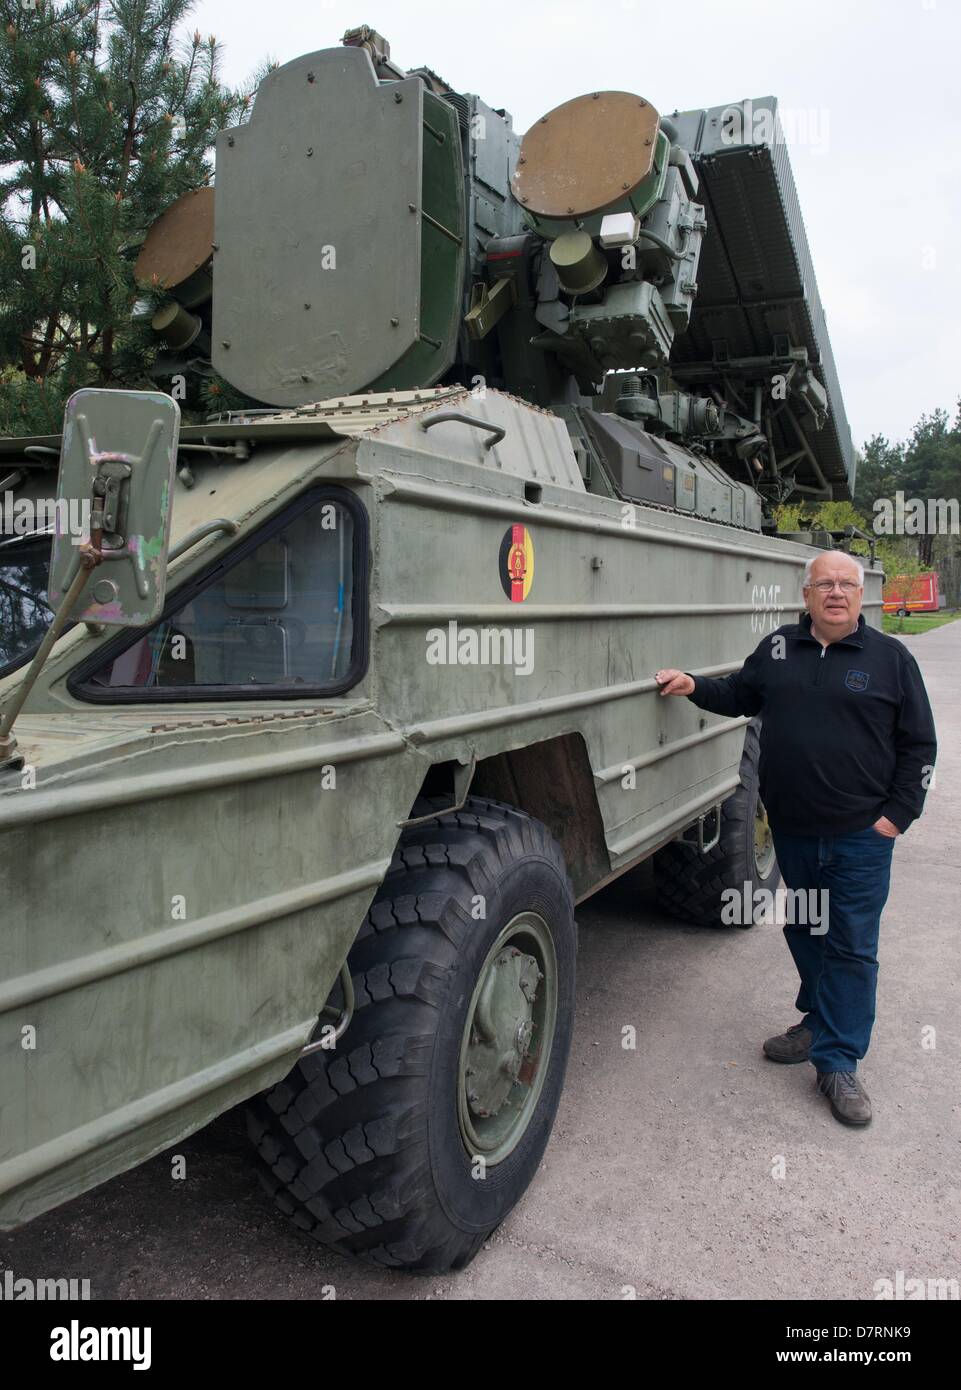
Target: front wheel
[410,1143]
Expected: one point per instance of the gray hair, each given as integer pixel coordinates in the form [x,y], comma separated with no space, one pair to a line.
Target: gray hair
[806,581]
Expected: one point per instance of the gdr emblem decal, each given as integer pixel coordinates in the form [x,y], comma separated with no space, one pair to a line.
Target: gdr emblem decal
[516,563]
[856,680]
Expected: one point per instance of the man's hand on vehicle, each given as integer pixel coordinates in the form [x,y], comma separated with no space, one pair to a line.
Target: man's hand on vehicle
[886,827]
[674,682]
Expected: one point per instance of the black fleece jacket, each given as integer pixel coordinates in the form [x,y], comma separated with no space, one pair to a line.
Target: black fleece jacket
[847,733]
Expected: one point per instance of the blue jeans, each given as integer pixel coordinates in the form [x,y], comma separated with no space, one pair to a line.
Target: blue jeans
[838,967]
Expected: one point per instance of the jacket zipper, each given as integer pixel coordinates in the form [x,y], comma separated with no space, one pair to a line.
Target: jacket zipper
[820,668]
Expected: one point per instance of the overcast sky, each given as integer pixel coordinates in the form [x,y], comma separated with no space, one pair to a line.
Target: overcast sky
[871,87]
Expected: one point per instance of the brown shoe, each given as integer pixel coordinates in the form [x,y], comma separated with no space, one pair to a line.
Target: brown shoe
[850,1102]
[792,1046]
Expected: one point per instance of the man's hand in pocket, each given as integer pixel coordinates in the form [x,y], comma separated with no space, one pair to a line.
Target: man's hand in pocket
[886,827]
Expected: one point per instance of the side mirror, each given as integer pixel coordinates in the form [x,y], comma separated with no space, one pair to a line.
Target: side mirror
[117,466]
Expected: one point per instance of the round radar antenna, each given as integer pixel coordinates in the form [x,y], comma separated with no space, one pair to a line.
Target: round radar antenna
[179,244]
[586,154]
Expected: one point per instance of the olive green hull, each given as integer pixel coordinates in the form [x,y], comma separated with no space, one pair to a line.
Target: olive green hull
[182,884]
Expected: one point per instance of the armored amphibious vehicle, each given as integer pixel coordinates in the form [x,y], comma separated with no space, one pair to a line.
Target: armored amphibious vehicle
[348,699]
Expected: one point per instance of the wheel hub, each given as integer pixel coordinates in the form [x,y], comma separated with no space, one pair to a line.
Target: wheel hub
[502,1030]
[507,1038]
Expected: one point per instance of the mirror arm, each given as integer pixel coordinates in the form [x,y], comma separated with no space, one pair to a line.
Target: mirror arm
[87,559]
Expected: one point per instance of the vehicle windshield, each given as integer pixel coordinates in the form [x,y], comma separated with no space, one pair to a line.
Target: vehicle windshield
[24,613]
[276,615]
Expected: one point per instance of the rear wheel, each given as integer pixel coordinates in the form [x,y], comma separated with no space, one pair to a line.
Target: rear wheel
[691,885]
[413,1139]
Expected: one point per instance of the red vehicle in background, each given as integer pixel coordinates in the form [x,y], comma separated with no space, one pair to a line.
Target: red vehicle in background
[906,593]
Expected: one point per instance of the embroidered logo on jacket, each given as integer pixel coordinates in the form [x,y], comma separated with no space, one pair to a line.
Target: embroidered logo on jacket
[856,680]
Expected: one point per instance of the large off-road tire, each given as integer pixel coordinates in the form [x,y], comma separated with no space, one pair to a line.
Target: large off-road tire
[689,884]
[463,973]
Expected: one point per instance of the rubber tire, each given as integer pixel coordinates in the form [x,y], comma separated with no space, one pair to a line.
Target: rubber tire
[361,1145]
[689,884]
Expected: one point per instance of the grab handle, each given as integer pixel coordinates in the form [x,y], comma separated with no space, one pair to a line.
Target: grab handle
[496,431]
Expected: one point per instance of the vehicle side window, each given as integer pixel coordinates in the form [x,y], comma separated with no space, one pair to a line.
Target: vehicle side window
[279,618]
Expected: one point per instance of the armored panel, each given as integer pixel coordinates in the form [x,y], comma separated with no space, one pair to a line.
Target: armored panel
[443,251]
[535,443]
[636,463]
[643,468]
[339,244]
[493,147]
[755,277]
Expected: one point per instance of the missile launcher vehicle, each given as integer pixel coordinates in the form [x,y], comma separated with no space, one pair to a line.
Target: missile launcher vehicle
[330,709]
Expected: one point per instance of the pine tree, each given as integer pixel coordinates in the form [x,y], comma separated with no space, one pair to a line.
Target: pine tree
[107,114]
[879,466]
[929,471]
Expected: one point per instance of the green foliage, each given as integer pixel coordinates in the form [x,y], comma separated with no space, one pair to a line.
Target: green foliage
[788,516]
[825,516]
[926,466]
[218,395]
[900,564]
[916,623]
[879,465]
[107,115]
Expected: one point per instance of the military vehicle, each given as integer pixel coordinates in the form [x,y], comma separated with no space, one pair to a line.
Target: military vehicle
[307,785]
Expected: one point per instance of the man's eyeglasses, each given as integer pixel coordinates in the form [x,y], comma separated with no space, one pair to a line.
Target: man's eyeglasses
[824,586]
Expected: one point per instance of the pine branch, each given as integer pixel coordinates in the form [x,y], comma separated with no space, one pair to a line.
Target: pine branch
[88,162]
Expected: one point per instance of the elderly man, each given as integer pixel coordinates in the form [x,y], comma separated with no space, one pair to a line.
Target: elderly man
[847,751]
